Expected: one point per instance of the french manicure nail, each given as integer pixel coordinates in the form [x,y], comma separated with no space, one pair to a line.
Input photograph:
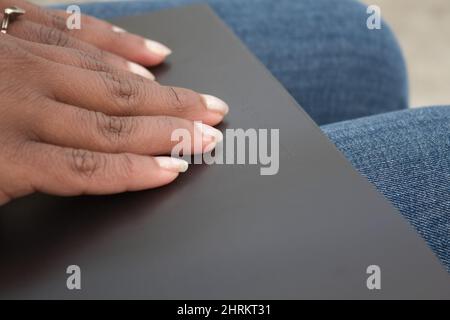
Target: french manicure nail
[215,104]
[172,164]
[209,132]
[118,29]
[157,48]
[140,70]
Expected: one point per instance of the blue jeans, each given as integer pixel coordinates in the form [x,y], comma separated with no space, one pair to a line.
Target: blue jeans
[353,82]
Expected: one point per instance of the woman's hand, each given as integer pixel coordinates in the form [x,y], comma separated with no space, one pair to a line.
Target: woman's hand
[71,123]
[99,38]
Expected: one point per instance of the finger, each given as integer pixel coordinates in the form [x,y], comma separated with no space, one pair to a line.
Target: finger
[116,94]
[66,125]
[98,33]
[79,58]
[67,171]
[116,40]
[33,32]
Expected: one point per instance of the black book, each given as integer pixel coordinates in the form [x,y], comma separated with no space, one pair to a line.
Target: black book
[315,229]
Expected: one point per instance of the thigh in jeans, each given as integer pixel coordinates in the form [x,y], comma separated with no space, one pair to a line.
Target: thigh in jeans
[405,154]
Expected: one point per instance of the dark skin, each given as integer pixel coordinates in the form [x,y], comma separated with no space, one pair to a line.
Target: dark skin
[78,115]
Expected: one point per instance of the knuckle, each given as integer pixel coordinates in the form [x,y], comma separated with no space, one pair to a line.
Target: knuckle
[181,100]
[124,90]
[86,163]
[115,129]
[92,61]
[53,36]
[99,54]
[56,21]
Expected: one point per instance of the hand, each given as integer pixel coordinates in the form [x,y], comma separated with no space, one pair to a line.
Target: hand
[96,37]
[70,123]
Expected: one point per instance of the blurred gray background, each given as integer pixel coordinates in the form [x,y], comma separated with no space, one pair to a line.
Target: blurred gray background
[423,29]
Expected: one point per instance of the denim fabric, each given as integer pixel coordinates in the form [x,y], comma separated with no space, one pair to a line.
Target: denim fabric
[339,70]
[405,154]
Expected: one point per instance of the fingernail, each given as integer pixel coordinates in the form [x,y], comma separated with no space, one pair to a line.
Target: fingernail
[172,164]
[209,133]
[140,70]
[215,104]
[118,29]
[157,48]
